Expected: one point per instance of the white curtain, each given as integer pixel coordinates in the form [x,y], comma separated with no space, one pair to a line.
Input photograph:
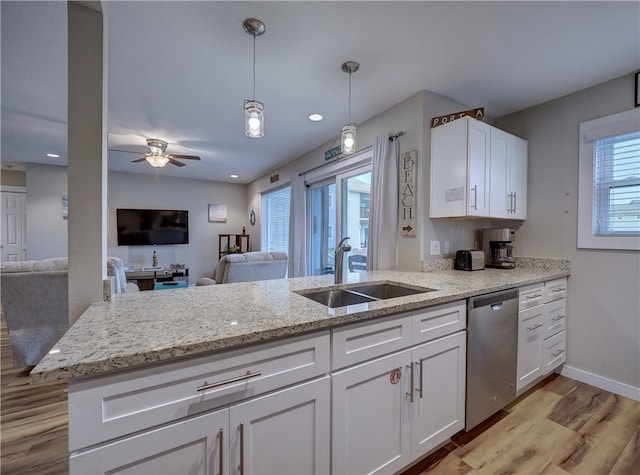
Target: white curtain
[383,217]
[298,228]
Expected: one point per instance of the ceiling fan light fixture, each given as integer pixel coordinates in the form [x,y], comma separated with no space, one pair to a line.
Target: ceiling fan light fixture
[348,140]
[254,110]
[157,160]
[156,146]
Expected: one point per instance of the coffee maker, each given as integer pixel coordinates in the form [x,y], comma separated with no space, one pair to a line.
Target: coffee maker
[497,248]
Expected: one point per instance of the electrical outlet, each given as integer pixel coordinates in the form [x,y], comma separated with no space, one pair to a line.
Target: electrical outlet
[446,247]
[435,248]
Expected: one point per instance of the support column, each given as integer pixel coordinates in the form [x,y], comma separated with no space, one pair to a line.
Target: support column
[87,154]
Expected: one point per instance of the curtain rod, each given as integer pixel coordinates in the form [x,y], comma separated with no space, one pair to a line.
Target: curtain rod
[396,136]
[336,160]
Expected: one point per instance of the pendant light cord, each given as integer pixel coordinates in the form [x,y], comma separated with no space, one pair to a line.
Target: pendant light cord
[254,67]
[349,121]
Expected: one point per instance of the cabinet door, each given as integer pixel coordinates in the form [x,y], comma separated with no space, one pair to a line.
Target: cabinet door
[370,427]
[191,446]
[479,167]
[530,329]
[439,392]
[517,187]
[554,352]
[500,198]
[285,432]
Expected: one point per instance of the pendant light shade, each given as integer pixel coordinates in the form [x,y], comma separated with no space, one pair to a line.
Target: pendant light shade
[348,141]
[157,161]
[254,110]
[253,119]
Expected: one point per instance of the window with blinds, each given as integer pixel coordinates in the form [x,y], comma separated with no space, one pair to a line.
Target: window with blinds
[609,182]
[617,185]
[275,220]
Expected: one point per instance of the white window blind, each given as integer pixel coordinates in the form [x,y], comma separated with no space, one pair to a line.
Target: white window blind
[275,220]
[616,194]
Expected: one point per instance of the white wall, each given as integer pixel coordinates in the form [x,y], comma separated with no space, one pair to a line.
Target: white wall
[603,315]
[413,117]
[47,231]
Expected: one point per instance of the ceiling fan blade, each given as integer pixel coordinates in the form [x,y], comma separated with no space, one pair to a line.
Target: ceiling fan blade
[185,157]
[124,151]
[139,160]
[176,162]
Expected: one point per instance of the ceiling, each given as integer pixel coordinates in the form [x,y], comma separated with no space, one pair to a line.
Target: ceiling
[180,71]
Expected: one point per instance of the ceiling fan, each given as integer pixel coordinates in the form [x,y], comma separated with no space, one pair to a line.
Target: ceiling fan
[157,157]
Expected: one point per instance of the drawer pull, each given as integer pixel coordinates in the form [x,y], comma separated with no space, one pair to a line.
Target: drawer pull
[410,393]
[249,375]
[535,327]
[221,448]
[555,291]
[557,353]
[559,317]
[531,297]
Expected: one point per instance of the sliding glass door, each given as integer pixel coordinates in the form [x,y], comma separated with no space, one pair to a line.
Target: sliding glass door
[339,207]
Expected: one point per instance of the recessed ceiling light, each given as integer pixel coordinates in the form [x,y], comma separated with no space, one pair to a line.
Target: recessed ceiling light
[233,176]
[315,117]
[53,155]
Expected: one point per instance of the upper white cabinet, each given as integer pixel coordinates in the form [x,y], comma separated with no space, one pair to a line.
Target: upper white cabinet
[478,171]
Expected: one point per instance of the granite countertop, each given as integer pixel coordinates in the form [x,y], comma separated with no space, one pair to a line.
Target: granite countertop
[142,328]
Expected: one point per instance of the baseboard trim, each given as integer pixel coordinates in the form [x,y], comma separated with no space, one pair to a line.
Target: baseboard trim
[601,382]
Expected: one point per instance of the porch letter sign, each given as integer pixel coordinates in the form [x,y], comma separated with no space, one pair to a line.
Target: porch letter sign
[477,113]
[407,193]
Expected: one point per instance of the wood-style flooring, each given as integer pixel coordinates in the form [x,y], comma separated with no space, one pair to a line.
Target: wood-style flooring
[559,427]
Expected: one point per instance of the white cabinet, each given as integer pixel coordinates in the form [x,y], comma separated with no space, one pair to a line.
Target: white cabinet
[508,176]
[460,154]
[390,411]
[250,406]
[541,331]
[191,446]
[478,171]
[283,432]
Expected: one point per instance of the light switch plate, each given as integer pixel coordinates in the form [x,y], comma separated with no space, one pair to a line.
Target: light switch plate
[435,248]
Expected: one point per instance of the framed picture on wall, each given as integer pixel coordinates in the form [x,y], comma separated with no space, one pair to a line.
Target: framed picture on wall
[217,213]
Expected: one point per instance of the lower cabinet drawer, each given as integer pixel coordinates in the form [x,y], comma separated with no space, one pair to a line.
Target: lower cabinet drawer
[555,317]
[123,403]
[363,341]
[530,296]
[554,352]
[439,321]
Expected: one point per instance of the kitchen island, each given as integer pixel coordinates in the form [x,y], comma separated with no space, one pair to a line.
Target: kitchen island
[142,328]
[255,377]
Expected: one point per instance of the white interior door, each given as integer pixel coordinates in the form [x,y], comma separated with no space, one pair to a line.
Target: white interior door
[13,226]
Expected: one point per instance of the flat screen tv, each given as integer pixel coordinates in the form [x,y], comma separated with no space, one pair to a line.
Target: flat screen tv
[147,227]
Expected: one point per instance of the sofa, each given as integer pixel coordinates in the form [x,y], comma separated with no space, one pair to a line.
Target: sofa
[35,302]
[248,267]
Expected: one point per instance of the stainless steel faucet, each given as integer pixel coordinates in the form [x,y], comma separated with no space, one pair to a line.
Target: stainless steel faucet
[339,258]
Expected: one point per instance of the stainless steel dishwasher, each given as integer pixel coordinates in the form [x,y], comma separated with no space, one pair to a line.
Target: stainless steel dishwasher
[492,344]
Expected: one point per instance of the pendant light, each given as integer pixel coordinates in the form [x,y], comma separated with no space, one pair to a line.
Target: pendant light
[254,110]
[348,141]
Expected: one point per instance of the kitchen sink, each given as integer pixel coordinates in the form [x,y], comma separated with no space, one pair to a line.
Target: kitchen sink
[338,298]
[369,292]
[388,290]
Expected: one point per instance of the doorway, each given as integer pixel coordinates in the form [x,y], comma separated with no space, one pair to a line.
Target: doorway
[14,226]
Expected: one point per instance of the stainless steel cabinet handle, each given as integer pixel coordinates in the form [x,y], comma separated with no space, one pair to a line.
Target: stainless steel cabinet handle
[241,466]
[421,363]
[475,197]
[559,289]
[510,208]
[535,327]
[249,375]
[515,202]
[559,317]
[531,297]
[221,447]
[557,353]
[410,393]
